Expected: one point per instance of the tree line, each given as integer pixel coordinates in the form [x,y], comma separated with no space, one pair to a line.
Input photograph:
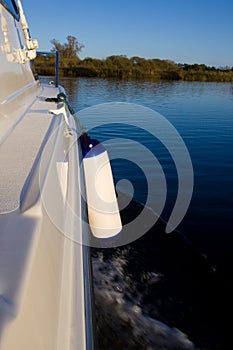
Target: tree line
[122,67]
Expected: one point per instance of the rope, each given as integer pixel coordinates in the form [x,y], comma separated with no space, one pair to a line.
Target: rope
[62,98]
[86,142]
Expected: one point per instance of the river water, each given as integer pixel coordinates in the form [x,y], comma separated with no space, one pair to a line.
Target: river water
[165,291]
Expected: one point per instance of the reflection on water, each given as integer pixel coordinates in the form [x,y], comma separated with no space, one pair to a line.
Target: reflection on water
[203,115]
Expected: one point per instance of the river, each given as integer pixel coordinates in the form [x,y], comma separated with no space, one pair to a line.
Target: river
[161,282]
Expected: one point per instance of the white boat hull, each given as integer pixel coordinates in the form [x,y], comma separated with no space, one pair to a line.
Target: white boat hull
[44,283]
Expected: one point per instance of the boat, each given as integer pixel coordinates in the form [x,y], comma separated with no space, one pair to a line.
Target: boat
[46,297]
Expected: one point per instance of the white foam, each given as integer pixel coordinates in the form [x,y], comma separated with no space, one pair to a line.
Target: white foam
[120,318]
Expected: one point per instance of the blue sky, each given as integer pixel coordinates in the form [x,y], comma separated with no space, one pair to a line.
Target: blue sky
[184,31]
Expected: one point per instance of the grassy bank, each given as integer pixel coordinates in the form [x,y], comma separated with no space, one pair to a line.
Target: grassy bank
[122,67]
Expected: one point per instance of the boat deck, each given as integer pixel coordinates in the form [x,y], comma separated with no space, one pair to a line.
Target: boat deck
[43,286]
[21,146]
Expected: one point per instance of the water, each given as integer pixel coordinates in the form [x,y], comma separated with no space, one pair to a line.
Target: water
[183,281]
[203,115]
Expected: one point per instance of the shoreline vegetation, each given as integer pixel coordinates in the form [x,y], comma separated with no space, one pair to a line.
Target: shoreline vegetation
[122,67]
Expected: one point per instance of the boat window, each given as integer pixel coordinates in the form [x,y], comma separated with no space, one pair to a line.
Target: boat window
[12,7]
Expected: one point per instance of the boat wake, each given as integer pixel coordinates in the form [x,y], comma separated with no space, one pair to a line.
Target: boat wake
[121,321]
[158,292]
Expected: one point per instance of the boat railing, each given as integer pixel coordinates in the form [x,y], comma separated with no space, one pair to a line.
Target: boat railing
[56,53]
[90,319]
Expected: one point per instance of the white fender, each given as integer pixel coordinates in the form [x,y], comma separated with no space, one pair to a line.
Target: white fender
[103,212]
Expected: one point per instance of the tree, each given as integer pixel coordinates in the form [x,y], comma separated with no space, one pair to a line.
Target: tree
[68,50]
